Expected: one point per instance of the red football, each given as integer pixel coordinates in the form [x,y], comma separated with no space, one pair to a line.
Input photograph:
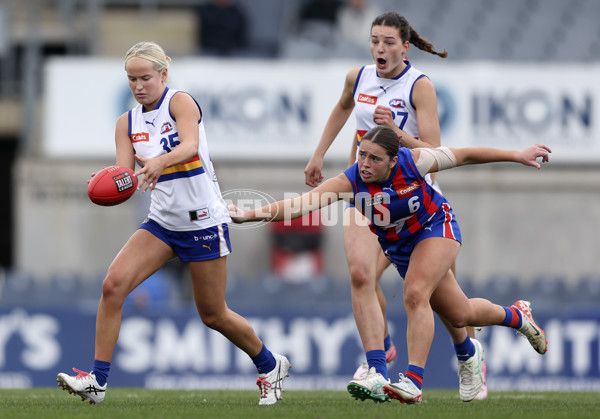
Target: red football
[112,186]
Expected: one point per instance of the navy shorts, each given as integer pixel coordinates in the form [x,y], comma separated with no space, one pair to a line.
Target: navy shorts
[442,224]
[194,245]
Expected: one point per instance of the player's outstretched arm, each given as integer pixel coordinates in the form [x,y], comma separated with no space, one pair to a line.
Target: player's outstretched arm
[330,191]
[479,155]
[431,160]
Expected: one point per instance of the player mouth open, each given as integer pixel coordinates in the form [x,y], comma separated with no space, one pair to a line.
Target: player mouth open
[365,175]
[381,63]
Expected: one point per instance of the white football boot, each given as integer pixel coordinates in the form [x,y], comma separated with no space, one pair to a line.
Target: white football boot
[83,385]
[371,387]
[470,374]
[404,390]
[483,393]
[271,383]
[534,334]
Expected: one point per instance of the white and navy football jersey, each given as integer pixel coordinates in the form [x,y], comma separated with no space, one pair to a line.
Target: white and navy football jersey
[187,196]
[370,90]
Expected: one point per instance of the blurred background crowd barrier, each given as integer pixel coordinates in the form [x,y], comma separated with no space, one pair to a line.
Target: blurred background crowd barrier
[266,74]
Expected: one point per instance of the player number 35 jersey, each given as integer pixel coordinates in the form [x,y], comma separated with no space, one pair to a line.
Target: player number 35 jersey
[187,196]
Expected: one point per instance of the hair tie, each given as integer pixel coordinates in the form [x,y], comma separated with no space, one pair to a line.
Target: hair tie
[168,58]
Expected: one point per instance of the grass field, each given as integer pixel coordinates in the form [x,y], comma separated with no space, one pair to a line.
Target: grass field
[134,403]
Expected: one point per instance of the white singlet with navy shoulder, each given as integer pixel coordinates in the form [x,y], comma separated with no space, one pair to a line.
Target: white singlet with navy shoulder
[370,90]
[187,196]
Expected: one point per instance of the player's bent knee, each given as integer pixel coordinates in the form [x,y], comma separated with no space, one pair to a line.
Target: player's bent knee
[414,298]
[361,277]
[113,288]
[212,320]
[458,319]
[458,323]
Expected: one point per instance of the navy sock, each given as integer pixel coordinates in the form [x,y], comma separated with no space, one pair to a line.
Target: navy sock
[264,361]
[387,343]
[101,369]
[376,359]
[464,350]
[513,318]
[415,374]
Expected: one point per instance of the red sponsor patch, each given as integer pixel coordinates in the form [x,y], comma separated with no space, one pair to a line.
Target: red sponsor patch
[140,136]
[408,189]
[371,100]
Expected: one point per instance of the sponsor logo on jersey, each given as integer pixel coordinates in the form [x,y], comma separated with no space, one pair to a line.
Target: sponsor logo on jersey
[408,189]
[199,214]
[166,127]
[370,100]
[140,136]
[397,103]
[382,198]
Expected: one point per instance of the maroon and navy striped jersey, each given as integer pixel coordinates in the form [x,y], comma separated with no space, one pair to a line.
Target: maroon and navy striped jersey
[399,206]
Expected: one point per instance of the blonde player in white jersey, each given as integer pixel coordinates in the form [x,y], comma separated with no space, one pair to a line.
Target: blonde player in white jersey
[389,92]
[188,219]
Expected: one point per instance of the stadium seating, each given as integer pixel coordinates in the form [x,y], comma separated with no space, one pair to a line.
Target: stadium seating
[498,30]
